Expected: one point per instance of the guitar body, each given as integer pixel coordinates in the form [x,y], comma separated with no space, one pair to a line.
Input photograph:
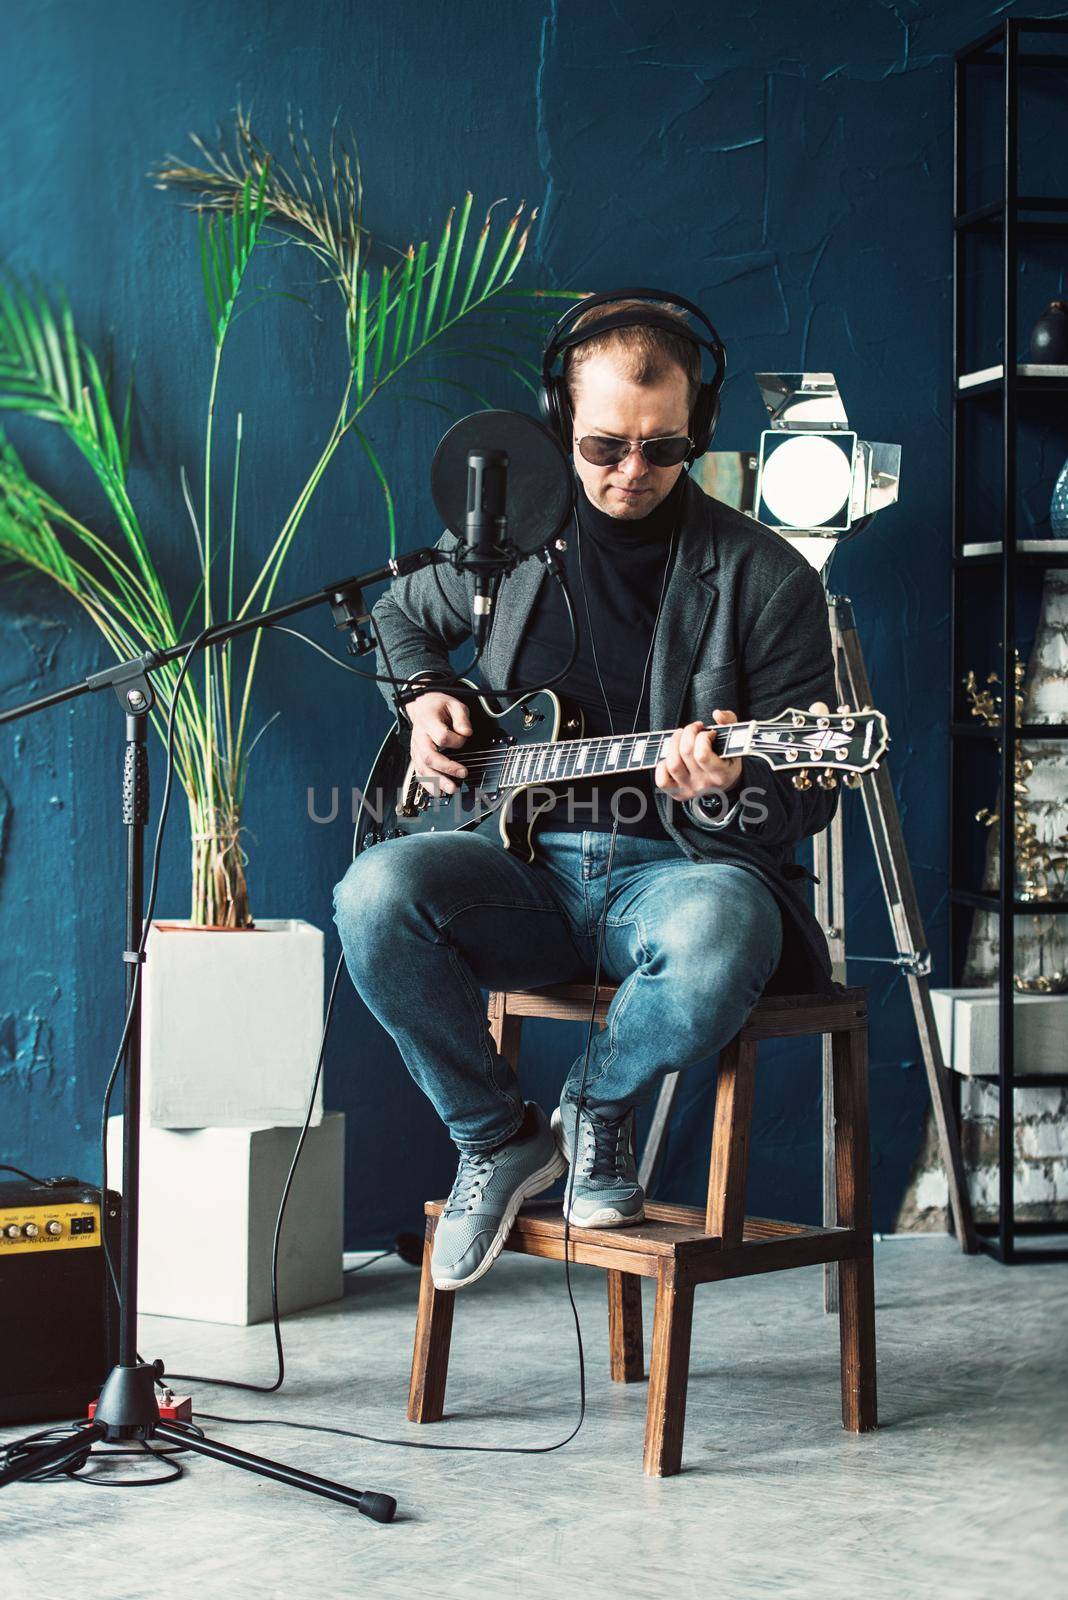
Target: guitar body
[399,803]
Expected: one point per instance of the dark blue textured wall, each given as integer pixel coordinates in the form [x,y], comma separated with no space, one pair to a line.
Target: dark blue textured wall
[789,167]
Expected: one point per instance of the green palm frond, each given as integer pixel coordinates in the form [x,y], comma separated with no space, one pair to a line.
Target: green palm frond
[225,252]
[394,308]
[405,309]
[48,372]
[39,535]
[324,216]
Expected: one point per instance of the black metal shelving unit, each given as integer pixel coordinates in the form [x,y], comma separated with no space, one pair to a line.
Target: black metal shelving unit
[1017,218]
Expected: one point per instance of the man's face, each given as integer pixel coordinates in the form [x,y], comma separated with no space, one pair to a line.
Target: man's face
[608,403]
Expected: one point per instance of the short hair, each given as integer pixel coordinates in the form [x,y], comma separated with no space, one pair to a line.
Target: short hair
[645,354]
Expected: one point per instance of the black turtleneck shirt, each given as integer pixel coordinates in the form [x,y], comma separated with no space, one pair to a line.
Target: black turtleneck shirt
[622,563]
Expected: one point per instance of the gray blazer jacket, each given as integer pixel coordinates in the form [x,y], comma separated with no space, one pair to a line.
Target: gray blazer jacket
[744,628]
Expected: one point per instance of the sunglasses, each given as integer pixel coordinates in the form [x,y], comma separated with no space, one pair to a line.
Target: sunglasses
[602,450]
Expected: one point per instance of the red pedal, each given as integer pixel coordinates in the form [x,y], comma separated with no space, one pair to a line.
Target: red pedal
[179,1408]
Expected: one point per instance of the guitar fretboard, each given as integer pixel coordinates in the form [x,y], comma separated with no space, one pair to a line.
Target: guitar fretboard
[587,758]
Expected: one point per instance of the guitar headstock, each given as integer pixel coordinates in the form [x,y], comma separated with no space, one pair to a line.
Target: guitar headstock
[846,741]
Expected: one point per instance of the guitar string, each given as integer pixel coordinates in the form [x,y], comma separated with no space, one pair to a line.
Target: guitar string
[549,775]
[721,736]
[757,741]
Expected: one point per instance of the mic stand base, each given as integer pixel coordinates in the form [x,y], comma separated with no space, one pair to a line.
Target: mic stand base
[127,1394]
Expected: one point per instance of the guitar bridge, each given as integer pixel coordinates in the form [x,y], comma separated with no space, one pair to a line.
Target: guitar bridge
[416,799]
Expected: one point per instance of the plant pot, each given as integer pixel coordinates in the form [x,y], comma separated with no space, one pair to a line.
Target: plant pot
[209,1199]
[231,1024]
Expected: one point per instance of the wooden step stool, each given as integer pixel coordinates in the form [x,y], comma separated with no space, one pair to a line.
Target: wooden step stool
[682,1246]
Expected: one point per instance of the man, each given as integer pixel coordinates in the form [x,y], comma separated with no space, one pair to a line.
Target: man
[704,909]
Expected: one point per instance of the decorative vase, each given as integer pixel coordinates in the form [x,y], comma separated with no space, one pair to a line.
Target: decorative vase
[1049,336]
[1058,506]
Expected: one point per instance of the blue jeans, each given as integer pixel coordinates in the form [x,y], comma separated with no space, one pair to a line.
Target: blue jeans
[428,920]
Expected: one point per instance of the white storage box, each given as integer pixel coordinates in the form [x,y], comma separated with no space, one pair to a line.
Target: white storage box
[209,1198]
[967,1021]
[231,1024]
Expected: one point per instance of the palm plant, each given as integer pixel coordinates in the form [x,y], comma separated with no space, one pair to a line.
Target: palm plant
[394,311]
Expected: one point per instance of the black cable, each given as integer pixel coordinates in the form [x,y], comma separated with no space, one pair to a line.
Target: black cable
[276,1321]
[483,1449]
[516,688]
[451,676]
[79,1461]
[138,965]
[399,687]
[271,1388]
[598,956]
[233,1383]
[42,1183]
[120,1053]
[72,1468]
[402,1444]
[275,1317]
[365,1264]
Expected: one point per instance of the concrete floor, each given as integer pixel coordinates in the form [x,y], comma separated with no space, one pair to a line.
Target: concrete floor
[959,1493]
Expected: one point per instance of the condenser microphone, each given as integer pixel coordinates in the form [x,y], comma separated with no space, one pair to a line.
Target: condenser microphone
[485,532]
[504,488]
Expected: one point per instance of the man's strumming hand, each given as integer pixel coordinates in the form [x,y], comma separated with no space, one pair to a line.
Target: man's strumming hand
[440,722]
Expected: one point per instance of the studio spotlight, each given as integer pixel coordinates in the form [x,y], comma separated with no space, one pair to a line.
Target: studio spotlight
[812,479]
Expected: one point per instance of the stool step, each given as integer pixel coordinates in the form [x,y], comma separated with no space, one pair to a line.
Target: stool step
[676,1234]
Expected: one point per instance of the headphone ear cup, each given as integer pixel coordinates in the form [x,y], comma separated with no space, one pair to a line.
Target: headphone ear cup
[713,420]
[545,405]
[555,410]
[705,418]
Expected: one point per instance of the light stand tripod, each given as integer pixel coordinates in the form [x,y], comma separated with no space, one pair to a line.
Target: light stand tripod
[127,1407]
[913,958]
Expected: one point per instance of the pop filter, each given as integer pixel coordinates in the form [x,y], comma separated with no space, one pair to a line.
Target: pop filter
[541,488]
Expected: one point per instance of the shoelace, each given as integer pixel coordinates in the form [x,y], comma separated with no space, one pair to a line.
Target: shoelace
[469,1186]
[604,1146]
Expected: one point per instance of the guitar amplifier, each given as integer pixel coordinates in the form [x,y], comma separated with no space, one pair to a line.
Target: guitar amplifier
[59,1328]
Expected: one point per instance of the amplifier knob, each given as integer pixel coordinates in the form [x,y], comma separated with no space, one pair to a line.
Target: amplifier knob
[31,1230]
[54,1228]
[13,1231]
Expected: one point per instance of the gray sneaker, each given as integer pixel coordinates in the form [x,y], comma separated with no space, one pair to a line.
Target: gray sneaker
[606,1191]
[490,1187]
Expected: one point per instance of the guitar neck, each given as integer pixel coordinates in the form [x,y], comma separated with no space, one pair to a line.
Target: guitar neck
[584,758]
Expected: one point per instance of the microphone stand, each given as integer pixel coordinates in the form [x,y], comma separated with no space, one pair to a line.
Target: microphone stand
[127,1407]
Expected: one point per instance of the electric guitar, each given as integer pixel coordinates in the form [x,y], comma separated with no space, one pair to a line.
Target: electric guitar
[515,756]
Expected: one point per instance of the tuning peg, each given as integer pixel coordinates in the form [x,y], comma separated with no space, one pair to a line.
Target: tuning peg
[845,710]
[828,780]
[853,780]
[803,779]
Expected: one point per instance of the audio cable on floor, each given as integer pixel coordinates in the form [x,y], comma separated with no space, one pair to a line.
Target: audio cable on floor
[399,687]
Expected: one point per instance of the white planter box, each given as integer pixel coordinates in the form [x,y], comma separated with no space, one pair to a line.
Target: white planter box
[967,1021]
[231,1024]
[209,1198]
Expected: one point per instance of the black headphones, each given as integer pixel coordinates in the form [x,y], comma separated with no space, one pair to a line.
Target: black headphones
[552,399]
